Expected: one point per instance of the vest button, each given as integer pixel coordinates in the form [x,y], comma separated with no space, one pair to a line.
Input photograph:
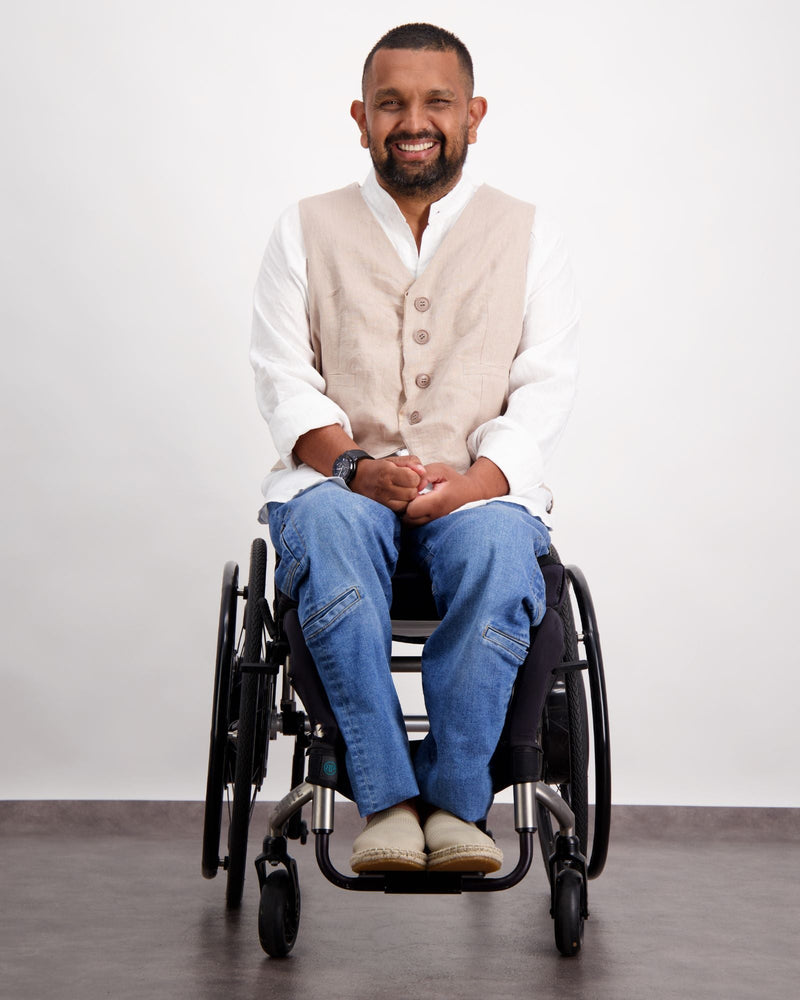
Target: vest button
[415,417]
[422,336]
[422,304]
[423,381]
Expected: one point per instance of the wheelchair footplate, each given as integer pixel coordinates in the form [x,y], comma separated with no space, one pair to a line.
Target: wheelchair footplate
[411,882]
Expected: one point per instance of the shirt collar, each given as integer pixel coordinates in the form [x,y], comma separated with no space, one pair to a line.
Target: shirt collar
[444,211]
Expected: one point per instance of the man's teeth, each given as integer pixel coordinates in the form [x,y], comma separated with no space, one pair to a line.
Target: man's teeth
[414,147]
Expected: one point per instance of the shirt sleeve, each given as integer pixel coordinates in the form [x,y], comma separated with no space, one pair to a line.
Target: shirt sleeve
[290,391]
[543,376]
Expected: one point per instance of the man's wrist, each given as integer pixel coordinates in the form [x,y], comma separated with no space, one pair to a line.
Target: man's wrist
[488,479]
[345,465]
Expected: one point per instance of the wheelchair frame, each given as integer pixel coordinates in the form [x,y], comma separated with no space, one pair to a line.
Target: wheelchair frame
[246,716]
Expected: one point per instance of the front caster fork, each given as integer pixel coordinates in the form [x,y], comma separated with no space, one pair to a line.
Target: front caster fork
[567,855]
[273,853]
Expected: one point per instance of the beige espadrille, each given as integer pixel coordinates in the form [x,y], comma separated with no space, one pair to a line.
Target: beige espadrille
[392,840]
[457,846]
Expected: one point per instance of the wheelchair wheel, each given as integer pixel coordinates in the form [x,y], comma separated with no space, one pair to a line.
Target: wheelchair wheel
[252,728]
[565,736]
[567,911]
[278,914]
[221,753]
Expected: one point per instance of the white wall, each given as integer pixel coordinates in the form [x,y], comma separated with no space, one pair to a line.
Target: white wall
[148,149]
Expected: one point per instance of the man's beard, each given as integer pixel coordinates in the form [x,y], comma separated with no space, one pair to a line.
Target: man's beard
[416,179]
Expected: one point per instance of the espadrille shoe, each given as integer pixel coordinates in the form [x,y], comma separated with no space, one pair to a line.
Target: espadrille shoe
[392,840]
[456,846]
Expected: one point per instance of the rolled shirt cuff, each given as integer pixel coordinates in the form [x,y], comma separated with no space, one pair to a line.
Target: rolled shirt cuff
[299,414]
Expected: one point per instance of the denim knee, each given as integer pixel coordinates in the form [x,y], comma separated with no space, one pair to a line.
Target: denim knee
[340,533]
[490,551]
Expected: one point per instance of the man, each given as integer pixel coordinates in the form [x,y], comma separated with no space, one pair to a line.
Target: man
[414,344]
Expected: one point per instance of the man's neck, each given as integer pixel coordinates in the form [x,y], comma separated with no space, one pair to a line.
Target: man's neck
[416,209]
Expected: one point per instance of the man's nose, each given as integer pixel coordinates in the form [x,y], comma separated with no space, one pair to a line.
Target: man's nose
[416,118]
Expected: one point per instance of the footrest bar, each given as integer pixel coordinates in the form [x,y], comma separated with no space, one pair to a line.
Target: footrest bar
[419,883]
[288,806]
[558,807]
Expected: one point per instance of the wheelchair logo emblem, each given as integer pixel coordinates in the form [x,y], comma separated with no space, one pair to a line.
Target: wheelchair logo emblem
[329,768]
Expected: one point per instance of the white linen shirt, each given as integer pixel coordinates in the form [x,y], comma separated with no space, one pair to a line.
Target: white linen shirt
[291,392]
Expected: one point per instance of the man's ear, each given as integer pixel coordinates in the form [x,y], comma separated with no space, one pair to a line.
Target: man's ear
[359,115]
[478,106]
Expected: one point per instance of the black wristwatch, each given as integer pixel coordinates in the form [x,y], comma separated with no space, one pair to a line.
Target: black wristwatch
[346,464]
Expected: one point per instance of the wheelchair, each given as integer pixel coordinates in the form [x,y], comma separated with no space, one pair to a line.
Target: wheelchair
[263,669]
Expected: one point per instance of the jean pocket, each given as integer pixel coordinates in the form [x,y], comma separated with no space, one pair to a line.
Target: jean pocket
[330,613]
[518,649]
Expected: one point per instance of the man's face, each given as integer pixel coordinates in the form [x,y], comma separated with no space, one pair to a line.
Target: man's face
[417,119]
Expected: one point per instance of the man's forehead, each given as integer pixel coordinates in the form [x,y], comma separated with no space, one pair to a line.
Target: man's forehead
[394,69]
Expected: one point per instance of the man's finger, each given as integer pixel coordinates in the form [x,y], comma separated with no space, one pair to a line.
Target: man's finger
[405,477]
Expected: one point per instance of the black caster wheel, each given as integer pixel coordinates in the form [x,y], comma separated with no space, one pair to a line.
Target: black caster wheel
[278,914]
[567,911]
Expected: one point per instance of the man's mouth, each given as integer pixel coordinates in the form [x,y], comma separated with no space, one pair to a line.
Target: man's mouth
[415,147]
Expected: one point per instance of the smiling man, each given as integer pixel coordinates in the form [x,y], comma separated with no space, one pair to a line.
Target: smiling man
[414,344]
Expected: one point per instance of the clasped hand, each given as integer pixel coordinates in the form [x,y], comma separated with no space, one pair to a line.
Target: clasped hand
[398,483]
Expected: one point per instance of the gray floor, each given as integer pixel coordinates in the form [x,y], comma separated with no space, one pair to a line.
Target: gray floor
[107,900]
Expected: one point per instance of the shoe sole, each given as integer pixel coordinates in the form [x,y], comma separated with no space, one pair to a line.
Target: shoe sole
[466,859]
[379,859]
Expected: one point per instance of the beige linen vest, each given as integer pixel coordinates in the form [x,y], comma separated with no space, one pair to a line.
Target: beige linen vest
[416,364]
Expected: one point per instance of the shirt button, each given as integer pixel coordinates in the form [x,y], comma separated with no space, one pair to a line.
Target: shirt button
[415,417]
[422,336]
[422,304]
[423,381]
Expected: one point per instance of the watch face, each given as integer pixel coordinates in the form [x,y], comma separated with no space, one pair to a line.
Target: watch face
[346,464]
[344,467]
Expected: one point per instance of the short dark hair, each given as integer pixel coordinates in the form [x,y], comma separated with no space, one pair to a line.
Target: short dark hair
[423,36]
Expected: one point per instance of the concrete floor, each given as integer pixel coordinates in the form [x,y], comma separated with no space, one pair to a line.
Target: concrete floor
[687,907]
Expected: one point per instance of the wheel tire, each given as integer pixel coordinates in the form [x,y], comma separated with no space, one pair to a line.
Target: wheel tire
[567,916]
[220,753]
[249,771]
[278,914]
[574,791]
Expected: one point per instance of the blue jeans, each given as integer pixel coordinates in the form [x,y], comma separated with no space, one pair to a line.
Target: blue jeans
[338,551]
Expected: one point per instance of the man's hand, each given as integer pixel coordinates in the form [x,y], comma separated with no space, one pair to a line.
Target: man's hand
[452,490]
[394,482]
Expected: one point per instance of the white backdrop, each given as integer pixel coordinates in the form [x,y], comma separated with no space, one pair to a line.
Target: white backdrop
[148,149]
